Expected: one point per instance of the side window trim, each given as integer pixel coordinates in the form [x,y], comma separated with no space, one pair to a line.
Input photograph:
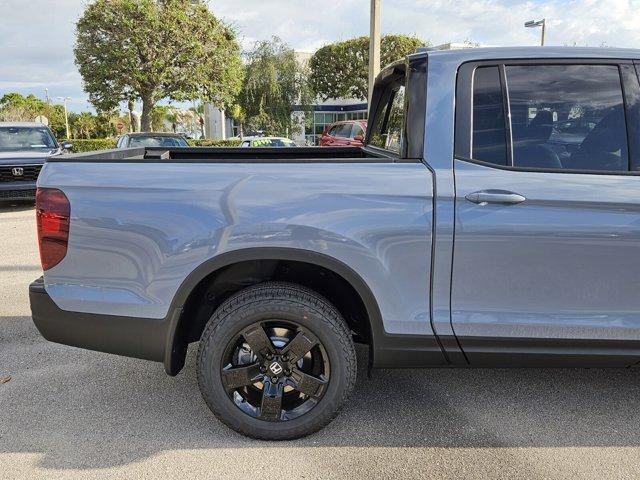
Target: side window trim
[506,106]
[631,97]
[464,112]
[390,80]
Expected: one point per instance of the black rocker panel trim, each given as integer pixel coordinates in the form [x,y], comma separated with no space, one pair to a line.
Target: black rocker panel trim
[550,352]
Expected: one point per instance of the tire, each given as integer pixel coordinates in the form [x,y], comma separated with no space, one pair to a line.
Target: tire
[236,365]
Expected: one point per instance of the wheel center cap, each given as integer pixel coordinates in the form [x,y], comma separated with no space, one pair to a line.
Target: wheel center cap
[276,368]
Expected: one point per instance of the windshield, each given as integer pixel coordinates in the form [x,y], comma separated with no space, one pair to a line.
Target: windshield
[26,138]
[158,141]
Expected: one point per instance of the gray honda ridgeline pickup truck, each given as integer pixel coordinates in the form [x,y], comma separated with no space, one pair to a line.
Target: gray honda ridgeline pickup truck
[492,219]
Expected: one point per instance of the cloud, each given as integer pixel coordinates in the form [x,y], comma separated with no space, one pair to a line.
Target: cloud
[36,38]
[36,48]
[307,25]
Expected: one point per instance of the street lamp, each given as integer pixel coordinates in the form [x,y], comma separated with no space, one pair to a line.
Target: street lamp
[66,115]
[538,23]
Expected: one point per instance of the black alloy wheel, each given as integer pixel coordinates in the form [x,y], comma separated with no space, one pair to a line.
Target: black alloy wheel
[275,370]
[276,361]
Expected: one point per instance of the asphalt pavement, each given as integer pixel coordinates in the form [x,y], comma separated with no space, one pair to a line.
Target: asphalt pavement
[70,413]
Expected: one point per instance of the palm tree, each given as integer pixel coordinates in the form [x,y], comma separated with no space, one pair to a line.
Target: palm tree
[132,120]
[85,125]
[159,115]
[239,115]
[173,118]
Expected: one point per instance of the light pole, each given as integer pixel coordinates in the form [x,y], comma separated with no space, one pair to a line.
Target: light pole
[538,23]
[374,46]
[66,114]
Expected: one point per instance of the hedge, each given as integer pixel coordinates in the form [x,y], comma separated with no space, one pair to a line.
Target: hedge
[84,145]
[215,143]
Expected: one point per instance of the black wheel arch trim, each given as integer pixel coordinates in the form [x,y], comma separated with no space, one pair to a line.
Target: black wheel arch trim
[386,350]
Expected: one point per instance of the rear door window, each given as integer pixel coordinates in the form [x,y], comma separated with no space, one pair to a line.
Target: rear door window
[567,117]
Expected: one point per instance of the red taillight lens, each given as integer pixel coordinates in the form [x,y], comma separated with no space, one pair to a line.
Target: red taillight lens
[52,214]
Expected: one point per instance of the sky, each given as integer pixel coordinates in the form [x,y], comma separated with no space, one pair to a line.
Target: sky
[37,36]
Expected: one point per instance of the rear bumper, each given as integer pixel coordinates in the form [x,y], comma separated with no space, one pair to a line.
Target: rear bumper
[18,191]
[144,338]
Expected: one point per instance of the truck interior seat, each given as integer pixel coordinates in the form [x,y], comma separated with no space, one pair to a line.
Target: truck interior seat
[529,143]
[605,145]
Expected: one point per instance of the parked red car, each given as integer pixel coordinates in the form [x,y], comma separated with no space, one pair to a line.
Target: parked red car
[349,133]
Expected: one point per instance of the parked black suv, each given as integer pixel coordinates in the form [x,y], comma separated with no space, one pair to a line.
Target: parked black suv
[23,150]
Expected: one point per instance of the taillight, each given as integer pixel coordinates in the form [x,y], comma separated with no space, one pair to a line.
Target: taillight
[52,214]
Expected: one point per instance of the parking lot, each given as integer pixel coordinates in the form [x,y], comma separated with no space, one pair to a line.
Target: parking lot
[69,413]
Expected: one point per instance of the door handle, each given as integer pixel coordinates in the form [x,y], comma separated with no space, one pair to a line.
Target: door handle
[495,196]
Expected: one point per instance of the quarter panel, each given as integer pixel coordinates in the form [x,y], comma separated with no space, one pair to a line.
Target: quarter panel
[138,230]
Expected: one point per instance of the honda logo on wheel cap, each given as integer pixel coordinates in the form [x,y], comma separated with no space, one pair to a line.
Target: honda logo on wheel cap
[275,368]
[17,171]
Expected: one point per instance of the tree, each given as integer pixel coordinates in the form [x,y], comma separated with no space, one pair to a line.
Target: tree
[173,119]
[106,123]
[342,69]
[159,116]
[274,82]
[132,119]
[15,107]
[149,50]
[240,116]
[198,110]
[83,125]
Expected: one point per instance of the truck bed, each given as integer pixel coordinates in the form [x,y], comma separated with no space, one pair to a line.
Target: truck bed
[233,155]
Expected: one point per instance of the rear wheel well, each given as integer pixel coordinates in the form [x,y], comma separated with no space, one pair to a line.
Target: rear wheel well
[219,285]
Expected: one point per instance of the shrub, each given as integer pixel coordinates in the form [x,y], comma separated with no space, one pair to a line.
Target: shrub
[83,145]
[215,143]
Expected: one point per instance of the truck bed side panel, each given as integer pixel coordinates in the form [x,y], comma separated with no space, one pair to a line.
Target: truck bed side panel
[138,229]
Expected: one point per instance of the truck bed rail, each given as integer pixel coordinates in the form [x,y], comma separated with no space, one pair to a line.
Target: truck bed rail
[233,155]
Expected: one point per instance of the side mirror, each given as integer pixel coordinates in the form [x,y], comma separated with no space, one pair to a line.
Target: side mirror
[359,138]
[67,146]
